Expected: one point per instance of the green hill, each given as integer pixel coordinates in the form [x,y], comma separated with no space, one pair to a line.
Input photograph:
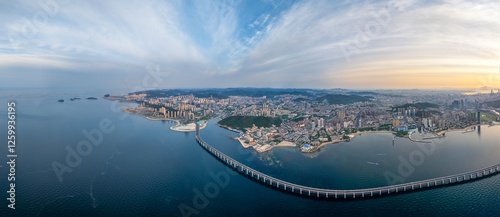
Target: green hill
[241,122]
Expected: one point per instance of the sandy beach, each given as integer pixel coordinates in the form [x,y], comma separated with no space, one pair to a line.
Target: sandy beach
[331,142]
[368,132]
[466,129]
[286,144]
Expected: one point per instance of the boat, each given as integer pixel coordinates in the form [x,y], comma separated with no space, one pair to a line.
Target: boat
[372,163]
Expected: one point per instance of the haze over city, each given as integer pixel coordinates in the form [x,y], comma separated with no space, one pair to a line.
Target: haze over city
[317,44]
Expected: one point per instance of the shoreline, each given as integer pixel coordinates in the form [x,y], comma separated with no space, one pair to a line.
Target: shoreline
[229,128]
[351,136]
[173,128]
[266,147]
[191,127]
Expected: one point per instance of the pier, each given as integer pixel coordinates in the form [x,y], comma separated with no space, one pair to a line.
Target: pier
[346,194]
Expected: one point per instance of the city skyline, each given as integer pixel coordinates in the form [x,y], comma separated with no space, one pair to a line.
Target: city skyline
[296,44]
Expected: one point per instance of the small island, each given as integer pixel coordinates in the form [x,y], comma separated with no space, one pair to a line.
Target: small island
[91,98]
[61,100]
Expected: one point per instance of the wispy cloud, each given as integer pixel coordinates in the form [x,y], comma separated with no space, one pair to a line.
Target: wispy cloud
[324,44]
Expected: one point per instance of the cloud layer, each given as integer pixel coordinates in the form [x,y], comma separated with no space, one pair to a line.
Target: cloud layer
[319,44]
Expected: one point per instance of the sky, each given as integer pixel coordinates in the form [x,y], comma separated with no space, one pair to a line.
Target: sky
[256,43]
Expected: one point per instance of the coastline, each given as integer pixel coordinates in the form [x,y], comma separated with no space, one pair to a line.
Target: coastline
[464,130]
[351,136]
[266,147]
[229,128]
[191,127]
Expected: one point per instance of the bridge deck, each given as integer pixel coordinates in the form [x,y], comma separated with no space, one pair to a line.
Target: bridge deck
[345,194]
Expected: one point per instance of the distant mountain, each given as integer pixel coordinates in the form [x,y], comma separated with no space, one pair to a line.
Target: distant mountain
[222,93]
[363,93]
[486,88]
[241,122]
[343,99]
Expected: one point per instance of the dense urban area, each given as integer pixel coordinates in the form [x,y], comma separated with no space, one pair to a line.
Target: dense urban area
[308,118]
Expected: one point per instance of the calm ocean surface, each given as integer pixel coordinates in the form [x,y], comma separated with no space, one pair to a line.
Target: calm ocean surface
[142,168]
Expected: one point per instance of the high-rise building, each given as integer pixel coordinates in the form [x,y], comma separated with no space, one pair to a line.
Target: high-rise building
[321,123]
[341,115]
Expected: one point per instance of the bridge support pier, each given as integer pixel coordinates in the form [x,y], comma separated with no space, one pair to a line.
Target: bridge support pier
[241,168]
